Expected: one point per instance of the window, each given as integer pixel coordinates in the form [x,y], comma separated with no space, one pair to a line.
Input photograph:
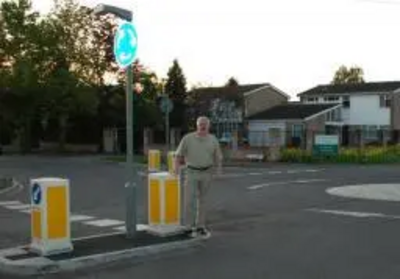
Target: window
[346,101]
[312,99]
[384,101]
[370,133]
[331,99]
[297,131]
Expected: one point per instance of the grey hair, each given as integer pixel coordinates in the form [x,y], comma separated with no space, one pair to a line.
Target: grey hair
[203,118]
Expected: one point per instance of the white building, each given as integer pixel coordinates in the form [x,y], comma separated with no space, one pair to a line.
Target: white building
[366,107]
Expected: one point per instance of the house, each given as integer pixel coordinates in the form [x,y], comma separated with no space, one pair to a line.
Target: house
[228,106]
[395,116]
[367,112]
[292,124]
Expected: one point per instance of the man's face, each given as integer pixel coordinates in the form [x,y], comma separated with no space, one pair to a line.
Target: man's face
[202,126]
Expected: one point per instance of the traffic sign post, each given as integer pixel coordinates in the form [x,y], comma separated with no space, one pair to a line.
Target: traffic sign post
[166,106]
[50,216]
[125,48]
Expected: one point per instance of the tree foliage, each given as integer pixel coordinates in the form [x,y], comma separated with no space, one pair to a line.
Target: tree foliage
[349,75]
[232,82]
[56,68]
[175,87]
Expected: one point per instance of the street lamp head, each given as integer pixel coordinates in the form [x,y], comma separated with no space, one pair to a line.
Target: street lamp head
[103,9]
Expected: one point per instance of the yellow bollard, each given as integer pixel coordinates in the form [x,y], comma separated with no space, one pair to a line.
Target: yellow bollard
[164,203]
[50,216]
[170,161]
[154,160]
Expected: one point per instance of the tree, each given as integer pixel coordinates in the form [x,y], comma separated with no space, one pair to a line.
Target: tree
[71,74]
[22,65]
[232,82]
[176,90]
[350,75]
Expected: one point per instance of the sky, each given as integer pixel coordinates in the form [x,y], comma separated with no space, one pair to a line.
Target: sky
[291,44]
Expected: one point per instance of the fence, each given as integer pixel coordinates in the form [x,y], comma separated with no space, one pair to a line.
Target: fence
[305,139]
[290,146]
[355,145]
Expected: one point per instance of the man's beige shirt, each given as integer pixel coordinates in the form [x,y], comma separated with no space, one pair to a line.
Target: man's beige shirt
[199,151]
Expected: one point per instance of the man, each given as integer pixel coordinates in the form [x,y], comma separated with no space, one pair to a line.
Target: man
[201,153]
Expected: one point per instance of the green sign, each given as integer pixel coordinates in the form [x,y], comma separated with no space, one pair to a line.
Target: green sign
[326,145]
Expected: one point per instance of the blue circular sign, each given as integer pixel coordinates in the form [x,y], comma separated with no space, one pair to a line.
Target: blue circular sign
[36,194]
[125,44]
[166,105]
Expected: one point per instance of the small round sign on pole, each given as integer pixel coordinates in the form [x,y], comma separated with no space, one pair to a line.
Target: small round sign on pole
[166,105]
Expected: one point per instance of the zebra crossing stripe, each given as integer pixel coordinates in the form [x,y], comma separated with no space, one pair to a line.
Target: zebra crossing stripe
[18,206]
[78,218]
[104,223]
[4,203]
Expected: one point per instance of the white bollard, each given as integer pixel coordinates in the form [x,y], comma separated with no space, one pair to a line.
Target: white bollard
[50,216]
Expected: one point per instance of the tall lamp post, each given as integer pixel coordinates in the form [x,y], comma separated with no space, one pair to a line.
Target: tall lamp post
[131,203]
[166,107]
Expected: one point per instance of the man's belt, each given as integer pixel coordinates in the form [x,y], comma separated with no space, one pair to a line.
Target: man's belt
[199,168]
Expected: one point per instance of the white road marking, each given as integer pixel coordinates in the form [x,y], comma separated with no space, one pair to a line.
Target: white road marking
[354,213]
[139,227]
[255,187]
[309,180]
[104,223]
[16,185]
[77,218]
[18,206]
[233,175]
[259,186]
[229,175]
[28,211]
[385,192]
[3,203]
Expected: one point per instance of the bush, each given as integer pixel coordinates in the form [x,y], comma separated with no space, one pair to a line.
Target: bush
[370,154]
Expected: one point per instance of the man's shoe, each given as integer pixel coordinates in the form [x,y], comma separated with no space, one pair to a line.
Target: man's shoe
[191,232]
[203,232]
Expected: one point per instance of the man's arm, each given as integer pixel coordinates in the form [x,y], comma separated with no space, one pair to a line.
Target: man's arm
[180,154]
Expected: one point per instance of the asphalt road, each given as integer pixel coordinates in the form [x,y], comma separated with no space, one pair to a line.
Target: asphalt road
[275,222]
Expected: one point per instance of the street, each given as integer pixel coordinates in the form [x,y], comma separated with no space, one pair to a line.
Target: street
[284,221]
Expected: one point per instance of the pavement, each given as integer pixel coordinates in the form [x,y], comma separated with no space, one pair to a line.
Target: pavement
[275,221]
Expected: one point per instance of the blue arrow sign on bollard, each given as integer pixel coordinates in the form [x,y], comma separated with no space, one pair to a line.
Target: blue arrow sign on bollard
[36,194]
[125,44]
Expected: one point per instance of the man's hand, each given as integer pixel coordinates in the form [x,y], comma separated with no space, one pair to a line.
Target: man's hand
[177,165]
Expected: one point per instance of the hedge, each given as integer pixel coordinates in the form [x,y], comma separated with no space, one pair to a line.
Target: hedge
[389,154]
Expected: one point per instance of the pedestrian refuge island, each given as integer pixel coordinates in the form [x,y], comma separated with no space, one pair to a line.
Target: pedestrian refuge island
[164,203]
[50,216]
